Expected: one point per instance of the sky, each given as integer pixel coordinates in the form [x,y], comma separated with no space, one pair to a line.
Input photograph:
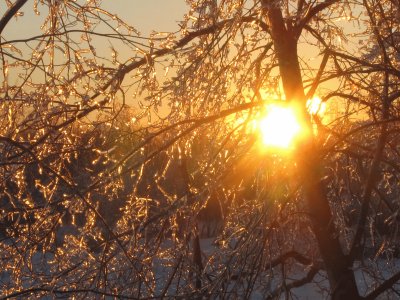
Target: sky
[145,15]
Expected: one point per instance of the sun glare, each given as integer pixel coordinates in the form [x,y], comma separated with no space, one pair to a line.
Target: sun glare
[315,106]
[280,126]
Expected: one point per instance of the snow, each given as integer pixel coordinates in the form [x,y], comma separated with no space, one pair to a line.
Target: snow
[267,281]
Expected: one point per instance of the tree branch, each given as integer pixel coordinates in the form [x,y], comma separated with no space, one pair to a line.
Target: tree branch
[379,152]
[291,254]
[117,79]
[317,79]
[10,13]
[312,12]
[383,287]
[364,63]
[297,283]
[51,290]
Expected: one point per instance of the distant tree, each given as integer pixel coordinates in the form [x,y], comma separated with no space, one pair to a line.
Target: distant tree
[135,185]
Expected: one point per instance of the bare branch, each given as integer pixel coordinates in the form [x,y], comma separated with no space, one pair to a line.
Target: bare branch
[317,78]
[295,284]
[59,292]
[291,254]
[384,286]
[312,12]
[10,13]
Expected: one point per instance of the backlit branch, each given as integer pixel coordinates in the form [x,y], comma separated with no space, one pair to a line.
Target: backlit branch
[312,12]
[10,13]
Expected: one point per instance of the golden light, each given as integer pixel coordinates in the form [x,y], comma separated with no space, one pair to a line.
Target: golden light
[280,126]
[315,106]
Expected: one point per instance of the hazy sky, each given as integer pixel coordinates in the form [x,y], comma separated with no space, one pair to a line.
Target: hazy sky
[144,15]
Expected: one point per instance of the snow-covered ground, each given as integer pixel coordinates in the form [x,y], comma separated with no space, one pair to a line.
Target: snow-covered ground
[266,282]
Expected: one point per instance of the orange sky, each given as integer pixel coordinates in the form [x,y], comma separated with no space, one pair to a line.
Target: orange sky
[146,15]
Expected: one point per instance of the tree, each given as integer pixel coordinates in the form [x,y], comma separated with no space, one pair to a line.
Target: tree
[328,209]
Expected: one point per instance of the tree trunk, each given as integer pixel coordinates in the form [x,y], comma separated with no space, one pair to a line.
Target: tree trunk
[341,277]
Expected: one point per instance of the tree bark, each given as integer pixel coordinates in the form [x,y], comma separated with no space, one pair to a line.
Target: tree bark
[341,277]
[285,43]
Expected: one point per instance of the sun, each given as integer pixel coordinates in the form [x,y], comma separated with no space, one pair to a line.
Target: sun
[280,126]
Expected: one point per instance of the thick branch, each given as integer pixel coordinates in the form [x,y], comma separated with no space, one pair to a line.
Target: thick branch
[297,283]
[10,13]
[318,77]
[188,38]
[383,287]
[291,254]
[363,62]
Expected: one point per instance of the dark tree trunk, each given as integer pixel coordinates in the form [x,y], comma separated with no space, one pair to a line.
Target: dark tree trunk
[341,277]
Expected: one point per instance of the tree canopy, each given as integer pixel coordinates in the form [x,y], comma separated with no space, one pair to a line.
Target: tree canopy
[134,166]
